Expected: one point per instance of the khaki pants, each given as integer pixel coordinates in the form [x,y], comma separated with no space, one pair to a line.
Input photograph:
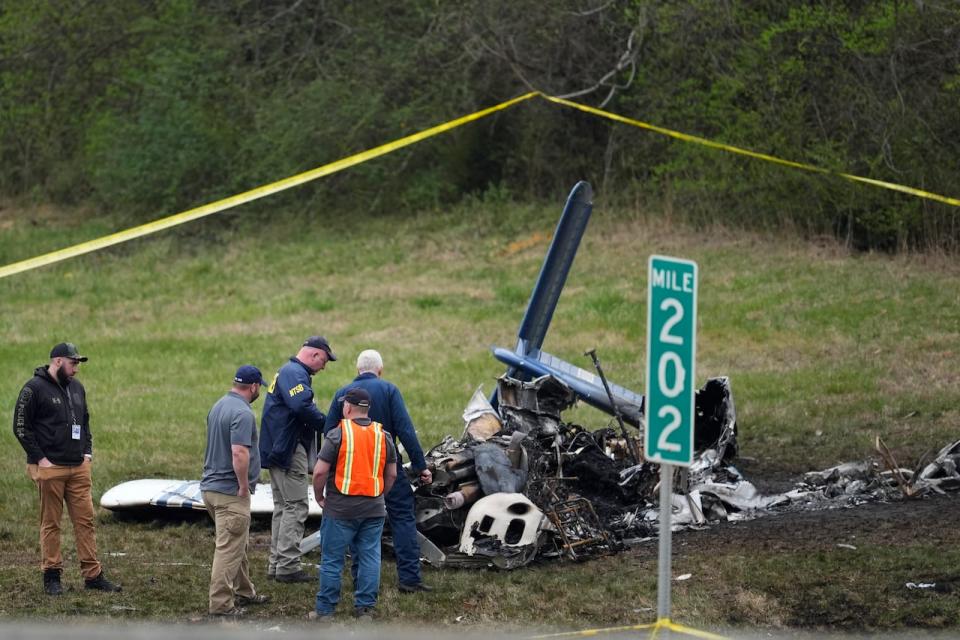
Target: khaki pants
[290,508]
[230,575]
[73,485]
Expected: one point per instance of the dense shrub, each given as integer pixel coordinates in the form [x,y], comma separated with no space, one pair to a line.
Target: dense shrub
[146,108]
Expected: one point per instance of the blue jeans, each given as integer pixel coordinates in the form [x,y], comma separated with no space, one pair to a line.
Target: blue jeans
[363,536]
[403,527]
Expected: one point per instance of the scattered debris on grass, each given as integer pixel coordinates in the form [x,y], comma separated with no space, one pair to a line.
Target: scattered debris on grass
[521,484]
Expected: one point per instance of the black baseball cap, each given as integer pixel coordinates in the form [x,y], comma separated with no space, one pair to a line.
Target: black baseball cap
[249,374]
[67,350]
[319,342]
[357,397]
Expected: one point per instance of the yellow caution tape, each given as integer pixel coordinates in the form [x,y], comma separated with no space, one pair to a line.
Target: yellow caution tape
[248,196]
[364,156]
[666,623]
[592,632]
[662,623]
[753,154]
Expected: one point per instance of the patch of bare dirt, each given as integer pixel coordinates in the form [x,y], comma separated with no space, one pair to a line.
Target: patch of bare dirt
[931,520]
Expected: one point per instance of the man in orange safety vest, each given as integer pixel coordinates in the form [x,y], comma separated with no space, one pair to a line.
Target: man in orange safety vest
[355,467]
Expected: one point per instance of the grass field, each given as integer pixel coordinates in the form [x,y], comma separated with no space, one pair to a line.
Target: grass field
[824,349]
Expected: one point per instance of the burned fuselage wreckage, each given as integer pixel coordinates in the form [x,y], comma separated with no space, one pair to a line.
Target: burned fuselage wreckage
[522,483]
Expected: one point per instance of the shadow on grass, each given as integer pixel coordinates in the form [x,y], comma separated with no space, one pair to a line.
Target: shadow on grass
[159,517]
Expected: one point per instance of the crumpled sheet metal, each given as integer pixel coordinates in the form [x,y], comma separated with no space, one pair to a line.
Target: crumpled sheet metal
[942,474]
[480,418]
[716,419]
[847,484]
[535,405]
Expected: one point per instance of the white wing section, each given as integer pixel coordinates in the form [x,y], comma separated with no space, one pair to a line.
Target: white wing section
[184,494]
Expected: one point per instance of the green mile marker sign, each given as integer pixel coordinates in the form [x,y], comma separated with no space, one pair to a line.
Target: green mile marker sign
[671,360]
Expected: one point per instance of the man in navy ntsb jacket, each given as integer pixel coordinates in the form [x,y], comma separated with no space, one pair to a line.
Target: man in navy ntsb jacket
[288,429]
[387,408]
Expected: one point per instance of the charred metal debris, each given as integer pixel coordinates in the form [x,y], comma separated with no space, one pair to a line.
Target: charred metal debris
[521,484]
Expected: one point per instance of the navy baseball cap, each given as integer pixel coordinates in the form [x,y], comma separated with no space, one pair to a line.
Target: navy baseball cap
[357,397]
[319,342]
[249,374]
[67,350]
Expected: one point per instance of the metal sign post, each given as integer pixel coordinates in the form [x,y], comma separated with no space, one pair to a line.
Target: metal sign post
[671,360]
[666,543]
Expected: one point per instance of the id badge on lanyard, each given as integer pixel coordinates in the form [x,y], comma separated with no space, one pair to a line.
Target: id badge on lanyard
[75,433]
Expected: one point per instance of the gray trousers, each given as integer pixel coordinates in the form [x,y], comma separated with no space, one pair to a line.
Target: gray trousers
[289,514]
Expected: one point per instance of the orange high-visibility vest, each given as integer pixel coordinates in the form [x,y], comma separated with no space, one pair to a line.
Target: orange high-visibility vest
[362,457]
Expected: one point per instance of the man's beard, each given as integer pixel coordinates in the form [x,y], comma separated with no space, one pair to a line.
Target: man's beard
[62,377]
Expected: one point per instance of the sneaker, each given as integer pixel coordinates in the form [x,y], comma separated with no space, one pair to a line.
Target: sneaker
[101,584]
[246,601]
[296,576]
[363,613]
[233,612]
[51,582]
[413,588]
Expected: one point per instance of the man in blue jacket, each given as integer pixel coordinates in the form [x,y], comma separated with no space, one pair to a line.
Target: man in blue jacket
[288,430]
[387,408]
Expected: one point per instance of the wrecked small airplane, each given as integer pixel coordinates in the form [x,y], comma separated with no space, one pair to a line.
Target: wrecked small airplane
[521,483]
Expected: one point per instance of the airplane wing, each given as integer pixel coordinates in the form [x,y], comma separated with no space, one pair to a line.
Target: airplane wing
[527,360]
[586,385]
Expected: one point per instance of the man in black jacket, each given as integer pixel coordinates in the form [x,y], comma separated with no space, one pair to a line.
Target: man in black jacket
[52,424]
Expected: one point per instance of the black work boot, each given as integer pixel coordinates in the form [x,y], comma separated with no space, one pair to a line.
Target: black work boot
[101,584]
[51,582]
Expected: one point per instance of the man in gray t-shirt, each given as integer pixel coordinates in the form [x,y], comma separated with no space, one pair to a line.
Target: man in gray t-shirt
[231,468]
[230,422]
